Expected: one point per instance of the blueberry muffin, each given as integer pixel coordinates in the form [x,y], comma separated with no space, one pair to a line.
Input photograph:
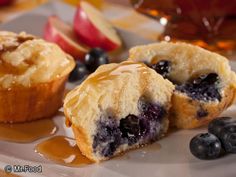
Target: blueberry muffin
[32,77]
[204,83]
[119,107]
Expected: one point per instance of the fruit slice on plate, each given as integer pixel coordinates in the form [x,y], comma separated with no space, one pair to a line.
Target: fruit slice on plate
[93,29]
[62,34]
[5,2]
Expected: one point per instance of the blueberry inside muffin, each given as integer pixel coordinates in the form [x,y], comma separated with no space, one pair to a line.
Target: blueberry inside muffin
[162,67]
[202,87]
[132,129]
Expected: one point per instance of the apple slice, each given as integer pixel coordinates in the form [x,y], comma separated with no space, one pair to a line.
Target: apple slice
[5,2]
[93,29]
[62,34]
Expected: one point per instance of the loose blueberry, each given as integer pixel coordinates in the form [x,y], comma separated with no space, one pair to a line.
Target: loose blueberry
[229,142]
[228,138]
[205,146]
[163,67]
[231,127]
[78,73]
[94,58]
[217,125]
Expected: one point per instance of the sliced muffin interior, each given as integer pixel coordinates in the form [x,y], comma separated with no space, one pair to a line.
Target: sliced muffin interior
[201,77]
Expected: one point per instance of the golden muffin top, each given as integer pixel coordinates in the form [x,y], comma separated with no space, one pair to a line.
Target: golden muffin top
[26,60]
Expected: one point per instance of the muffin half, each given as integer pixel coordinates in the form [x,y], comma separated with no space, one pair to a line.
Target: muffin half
[32,77]
[119,107]
[204,83]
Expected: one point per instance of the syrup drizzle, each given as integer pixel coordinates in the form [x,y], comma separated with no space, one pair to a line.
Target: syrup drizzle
[62,150]
[28,131]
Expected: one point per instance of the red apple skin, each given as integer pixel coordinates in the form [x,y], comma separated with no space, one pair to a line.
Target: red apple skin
[51,35]
[89,34]
[5,2]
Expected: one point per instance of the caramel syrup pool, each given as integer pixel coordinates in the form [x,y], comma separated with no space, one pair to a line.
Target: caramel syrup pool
[28,131]
[62,150]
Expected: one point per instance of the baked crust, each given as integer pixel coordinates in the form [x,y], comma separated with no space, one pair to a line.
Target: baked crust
[21,104]
[187,61]
[83,143]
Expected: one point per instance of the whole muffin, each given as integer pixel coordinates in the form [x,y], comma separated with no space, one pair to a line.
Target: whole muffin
[205,85]
[33,74]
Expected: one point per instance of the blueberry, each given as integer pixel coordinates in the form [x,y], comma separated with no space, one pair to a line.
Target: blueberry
[228,137]
[78,73]
[229,142]
[201,112]
[163,67]
[131,129]
[142,128]
[230,128]
[207,79]
[204,87]
[217,125]
[151,111]
[130,125]
[94,58]
[109,150]
[151,118]
[205,146]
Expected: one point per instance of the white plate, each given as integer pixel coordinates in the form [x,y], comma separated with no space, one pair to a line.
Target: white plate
[172,159]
